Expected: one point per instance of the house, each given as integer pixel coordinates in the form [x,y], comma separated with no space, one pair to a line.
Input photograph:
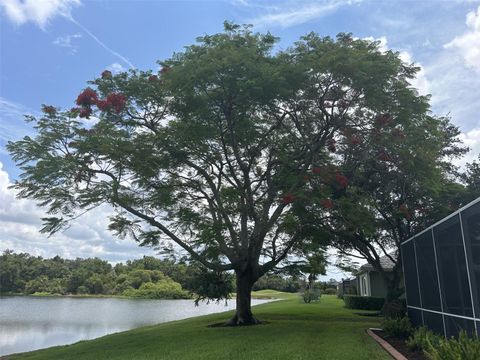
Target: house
[370,281]
[347,287]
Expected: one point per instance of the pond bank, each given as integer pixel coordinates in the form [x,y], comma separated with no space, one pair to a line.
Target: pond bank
[294,330]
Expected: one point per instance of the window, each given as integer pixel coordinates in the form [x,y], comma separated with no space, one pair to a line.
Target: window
[364,285]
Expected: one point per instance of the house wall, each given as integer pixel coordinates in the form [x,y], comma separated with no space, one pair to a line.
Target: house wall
[377,285]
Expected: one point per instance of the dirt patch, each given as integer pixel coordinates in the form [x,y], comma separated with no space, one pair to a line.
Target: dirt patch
[225,324]
[399,345]
[372,314]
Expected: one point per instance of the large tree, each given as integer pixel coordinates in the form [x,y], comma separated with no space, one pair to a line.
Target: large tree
[401,181]
[216,151]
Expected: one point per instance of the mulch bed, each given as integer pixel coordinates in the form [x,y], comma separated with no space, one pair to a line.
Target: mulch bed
[399,345]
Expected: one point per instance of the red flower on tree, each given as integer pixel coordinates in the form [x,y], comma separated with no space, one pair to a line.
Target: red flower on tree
[383,156]
[117,101]
[153,78]
[85,113]
[403,209]
[383,119]
[355,139]
[341,180]
[103,105]
[326,203]
[331,145]
[106,74]
[316,170]
[398,133]
[342,104]
[288,198]
[87,97]
[165,69]
[49,110]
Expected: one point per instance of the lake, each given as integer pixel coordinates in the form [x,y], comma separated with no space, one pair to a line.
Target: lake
[30,323]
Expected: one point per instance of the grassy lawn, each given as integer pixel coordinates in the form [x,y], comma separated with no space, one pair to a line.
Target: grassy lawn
[293,330]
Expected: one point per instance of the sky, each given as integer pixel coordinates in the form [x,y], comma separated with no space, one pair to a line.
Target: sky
[49,49]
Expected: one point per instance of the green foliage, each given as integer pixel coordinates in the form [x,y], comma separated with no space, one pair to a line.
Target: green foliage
[394,309]
[397,327]
[163,289]
[422,339]
[276,282]
[92,276]
[463,348]
[330,291]
[363,302]
[210,285]
[310,295]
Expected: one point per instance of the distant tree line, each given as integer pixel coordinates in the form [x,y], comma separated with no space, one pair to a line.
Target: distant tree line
[22,273]
[149,277]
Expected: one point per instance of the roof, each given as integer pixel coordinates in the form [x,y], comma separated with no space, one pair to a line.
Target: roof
[386,263]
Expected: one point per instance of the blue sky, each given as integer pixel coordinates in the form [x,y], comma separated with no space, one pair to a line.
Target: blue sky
[49,49]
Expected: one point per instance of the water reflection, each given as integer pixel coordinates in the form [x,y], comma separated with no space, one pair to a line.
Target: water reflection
[29,323]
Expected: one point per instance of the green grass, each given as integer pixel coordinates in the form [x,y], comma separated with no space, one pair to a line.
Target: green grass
[293,330]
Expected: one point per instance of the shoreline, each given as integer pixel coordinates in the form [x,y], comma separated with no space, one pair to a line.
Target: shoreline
[159,323]
[288,326]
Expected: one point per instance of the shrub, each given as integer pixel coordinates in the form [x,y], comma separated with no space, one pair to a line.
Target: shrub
[397,328]
[463,348]
[82,290]
[363,302]
[394,309]
[311,295]
[165,289]
[421,338]
[330,291]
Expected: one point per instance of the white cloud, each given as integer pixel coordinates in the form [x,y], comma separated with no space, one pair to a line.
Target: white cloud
[67,42]
[39,12]
[468,44]
[455,90]
[20,222]
[116,68]
[472,140]
[383,46]
[292,13]
[420,82]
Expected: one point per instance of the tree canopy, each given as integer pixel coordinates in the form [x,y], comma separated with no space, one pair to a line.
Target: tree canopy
[233,151]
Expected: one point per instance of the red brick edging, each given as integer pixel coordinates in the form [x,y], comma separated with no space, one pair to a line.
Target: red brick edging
[389,348]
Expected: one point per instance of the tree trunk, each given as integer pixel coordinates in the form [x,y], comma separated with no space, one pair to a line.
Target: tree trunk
[393,283]
[243,314]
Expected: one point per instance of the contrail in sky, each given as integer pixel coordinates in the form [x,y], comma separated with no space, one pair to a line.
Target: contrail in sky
[99,42]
